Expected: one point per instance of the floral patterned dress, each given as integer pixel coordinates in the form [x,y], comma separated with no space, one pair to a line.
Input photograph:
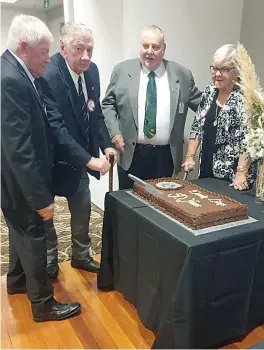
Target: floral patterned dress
[229,135]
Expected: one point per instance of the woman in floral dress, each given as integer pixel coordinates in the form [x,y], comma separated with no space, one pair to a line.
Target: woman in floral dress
[218,126]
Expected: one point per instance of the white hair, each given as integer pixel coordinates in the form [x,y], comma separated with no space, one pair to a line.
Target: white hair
[227,55]
[27,28]
[153,28]
[73,29]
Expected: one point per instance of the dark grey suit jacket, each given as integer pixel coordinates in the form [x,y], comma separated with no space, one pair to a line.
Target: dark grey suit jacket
[29,139]
[120,106]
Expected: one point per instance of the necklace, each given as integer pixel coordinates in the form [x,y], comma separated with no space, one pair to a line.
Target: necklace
[217,112]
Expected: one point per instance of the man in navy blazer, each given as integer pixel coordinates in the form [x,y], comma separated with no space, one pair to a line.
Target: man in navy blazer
[74,81]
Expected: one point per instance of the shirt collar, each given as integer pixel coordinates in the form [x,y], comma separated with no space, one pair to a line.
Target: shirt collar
[24,67]
[159,71]
[74,75]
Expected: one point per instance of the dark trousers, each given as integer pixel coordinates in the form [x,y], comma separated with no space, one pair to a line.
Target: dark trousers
[28,255]
[149,162]
[80,209]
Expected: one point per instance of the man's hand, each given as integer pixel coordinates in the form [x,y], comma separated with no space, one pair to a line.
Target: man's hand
[118,143]
[99,164]
[109,151]
[46,213]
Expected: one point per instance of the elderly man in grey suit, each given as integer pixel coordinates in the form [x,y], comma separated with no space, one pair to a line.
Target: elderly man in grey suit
[145,109]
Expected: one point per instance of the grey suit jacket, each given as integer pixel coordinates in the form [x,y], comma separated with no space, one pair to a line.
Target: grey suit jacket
[120,107]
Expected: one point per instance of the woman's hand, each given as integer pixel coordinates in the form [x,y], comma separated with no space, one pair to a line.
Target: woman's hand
[240,181]
[188,161]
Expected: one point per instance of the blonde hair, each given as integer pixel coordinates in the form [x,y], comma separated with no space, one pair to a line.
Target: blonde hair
[226,55]
[27,28]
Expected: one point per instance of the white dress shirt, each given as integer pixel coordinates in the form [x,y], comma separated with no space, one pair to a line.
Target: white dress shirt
[162,136]
[75,78]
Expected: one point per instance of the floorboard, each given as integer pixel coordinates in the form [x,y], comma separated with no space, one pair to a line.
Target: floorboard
[107,320]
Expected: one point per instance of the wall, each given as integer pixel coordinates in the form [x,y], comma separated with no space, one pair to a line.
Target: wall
[104,17]
[55,17]
[252,34]
[7,14]
[52,18]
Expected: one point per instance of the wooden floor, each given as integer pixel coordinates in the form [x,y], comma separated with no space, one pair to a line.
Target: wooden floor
[106,320]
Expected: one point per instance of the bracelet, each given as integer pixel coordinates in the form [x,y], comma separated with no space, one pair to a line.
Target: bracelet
[241,168]
[189,155]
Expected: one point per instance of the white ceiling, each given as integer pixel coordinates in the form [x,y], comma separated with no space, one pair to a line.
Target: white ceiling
[33,4]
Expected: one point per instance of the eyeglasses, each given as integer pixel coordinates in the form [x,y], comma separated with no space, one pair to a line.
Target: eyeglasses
[222,71]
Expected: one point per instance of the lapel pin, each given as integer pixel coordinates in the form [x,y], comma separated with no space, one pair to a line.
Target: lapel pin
[91,105]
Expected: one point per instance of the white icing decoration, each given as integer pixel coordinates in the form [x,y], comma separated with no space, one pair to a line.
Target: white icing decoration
[178,195]
[217,202]
[198,194]
[182,198]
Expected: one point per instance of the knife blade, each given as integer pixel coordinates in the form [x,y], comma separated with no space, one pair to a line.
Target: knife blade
[151,189]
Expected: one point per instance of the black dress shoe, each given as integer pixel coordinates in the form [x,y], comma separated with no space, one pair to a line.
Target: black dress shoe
[57,312]
[16,290]
[88,264]
[52,271]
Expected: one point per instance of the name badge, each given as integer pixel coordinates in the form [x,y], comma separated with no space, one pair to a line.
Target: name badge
[181,107]
[90,105]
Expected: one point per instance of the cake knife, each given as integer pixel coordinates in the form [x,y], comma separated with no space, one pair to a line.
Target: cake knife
[151,189]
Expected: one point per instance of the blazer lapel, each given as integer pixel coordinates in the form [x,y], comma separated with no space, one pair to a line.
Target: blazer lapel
[174,86]
[15,62]
[72,92]
[134,75]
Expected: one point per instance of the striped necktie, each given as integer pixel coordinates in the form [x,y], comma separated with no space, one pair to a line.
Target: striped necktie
[150,107]
[40,94]
[83,105]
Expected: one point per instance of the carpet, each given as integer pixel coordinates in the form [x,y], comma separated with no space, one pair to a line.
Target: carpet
[62,225]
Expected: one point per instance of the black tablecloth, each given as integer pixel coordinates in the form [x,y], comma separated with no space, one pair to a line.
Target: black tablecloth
[192,291]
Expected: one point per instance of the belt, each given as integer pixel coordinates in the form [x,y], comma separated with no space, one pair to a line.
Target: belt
[142,145]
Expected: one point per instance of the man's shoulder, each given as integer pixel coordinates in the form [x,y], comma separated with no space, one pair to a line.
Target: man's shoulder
[10,73]
[54,61]
[177,67]
[93,69]
[127,64]
[52,69]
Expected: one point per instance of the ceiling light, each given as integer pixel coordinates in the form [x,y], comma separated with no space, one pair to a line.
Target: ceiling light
[8,1]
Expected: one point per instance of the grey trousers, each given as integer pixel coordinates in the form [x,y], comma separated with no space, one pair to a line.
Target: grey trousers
[80,209]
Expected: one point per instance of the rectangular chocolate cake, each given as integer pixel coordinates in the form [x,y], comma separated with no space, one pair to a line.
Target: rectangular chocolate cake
[192,205]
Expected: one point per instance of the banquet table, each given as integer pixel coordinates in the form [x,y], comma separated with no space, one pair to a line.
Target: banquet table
[192,290]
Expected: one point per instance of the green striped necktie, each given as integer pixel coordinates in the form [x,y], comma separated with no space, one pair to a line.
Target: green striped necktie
[150,107]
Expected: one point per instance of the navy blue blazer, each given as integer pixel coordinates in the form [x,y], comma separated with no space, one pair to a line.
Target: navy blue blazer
[64,91]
